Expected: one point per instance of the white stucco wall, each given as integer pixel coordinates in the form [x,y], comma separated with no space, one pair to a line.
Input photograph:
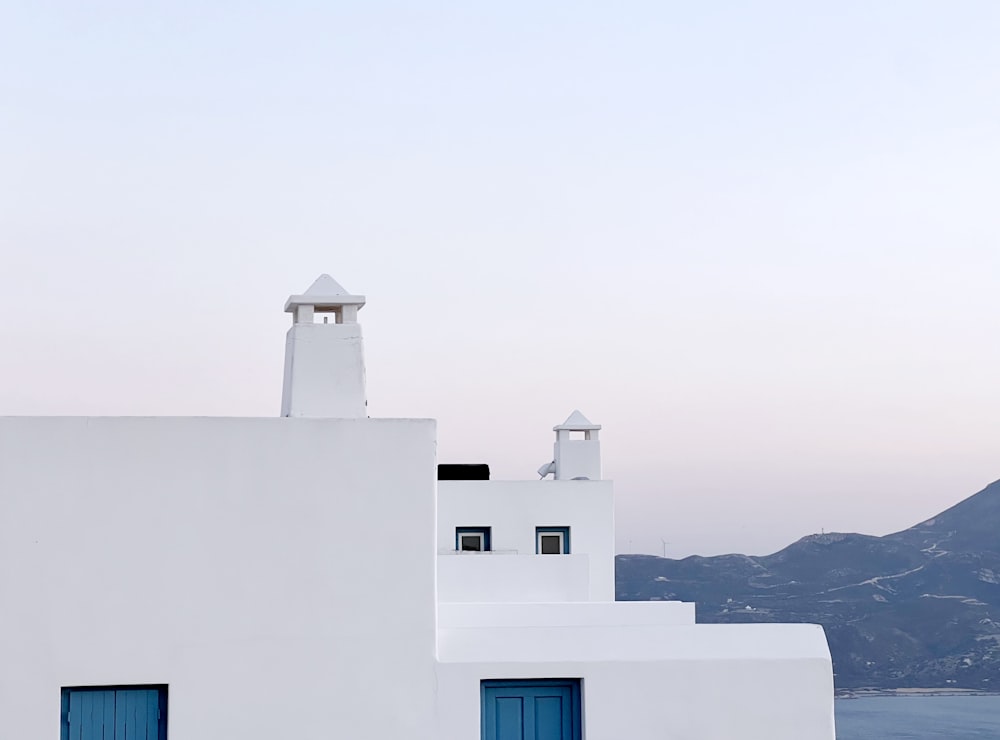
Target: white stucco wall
[279,576]
[513,509]
[652,682]
[276,573]
[590,614]
[505,577]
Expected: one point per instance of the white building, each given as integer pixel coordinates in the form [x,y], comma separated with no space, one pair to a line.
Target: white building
[309,577]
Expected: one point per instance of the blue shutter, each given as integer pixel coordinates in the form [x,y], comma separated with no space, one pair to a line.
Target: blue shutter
[531,710]
[136,717]
[114,714]
[89,713]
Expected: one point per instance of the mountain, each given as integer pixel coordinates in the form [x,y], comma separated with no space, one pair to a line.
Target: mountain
[917,608]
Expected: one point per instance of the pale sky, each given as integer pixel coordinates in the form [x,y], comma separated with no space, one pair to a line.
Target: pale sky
[757,241]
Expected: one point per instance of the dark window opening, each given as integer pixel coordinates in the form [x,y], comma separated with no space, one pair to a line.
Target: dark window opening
[552,540]
[473,539]
[474,471]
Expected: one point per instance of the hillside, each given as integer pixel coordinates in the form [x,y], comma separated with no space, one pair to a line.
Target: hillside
[917,608]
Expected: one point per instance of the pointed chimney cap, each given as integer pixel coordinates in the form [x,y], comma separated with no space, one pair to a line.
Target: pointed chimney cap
[576,422]
[324,293]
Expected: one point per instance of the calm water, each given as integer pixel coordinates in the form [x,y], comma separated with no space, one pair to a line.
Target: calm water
[919,718]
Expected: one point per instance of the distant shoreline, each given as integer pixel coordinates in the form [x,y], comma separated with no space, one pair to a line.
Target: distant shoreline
[863,693]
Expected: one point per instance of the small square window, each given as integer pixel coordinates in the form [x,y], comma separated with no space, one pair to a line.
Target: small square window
[472,539]
[552,540]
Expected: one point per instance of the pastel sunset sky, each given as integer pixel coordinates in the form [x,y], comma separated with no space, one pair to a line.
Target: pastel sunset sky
[758,241]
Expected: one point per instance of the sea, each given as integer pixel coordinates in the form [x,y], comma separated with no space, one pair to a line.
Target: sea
[918,718]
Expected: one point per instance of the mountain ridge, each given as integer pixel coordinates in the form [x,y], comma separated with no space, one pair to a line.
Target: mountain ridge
[914,608]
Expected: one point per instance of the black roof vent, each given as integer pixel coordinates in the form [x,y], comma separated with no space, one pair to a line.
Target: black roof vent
[474,471]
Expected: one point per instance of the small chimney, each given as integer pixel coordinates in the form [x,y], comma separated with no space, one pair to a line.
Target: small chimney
[324,362]
[577,449]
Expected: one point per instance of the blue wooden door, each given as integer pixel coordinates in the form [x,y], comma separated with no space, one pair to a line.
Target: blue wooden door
[531,710]
[115,714]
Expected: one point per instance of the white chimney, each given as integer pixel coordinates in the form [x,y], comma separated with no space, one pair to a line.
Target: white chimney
[324,354]
[578,449]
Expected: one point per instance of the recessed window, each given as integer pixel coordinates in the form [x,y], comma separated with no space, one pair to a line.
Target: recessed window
[472,539]
[114,712]
[552,540]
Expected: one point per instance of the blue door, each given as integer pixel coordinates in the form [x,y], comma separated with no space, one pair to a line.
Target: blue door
[118,713]
[531,710]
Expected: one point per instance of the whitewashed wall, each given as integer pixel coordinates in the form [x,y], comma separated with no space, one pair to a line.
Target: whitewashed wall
[513,509]
[278,574]
[593,614]
[651,682]
[504,577]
